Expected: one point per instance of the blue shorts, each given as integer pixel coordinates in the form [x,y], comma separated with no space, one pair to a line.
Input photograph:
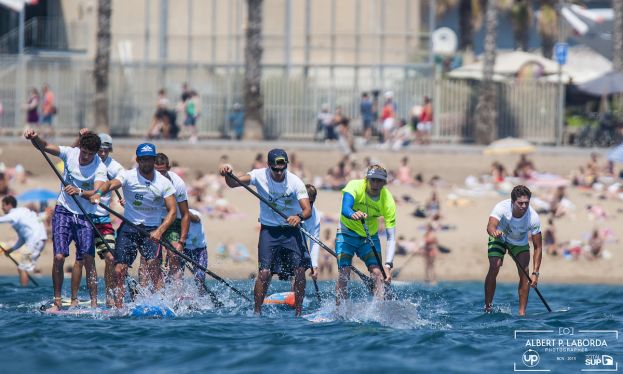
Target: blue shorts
[200,256]
[130,241]
[68,227]
[348,243]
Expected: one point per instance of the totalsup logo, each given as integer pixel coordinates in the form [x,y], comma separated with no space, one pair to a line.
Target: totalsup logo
[594,360]
[530,358]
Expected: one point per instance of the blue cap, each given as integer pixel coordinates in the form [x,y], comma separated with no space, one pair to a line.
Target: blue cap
[145,150]
[277,156]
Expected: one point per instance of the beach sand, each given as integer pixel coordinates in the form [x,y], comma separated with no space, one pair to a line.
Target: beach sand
[467,260]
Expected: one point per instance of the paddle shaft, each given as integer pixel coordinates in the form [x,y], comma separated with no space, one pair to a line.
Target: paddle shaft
[371,242]
[169,246]
[363,277]
[212,295]
[132,283]
[17,264]
[530,281]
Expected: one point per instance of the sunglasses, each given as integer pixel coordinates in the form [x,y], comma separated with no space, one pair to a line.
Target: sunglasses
[278,170]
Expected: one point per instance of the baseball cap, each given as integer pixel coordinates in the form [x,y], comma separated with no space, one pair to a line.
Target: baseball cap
[277,156]
[146,149]
[376,173]
[106,141]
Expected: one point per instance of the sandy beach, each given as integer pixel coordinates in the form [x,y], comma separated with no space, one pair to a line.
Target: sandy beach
[467,241]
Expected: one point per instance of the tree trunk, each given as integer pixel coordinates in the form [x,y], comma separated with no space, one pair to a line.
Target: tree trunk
[486,112]
[253,100]
[617,36]
[102,64]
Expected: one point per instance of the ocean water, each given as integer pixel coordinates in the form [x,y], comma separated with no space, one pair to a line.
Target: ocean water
[429,329]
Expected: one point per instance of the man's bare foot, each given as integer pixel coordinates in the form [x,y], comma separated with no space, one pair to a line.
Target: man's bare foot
[488,309]
[74,302]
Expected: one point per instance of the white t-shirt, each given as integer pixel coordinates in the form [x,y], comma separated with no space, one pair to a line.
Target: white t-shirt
[27,225]
[181,193]
[81,176]
[113,168]
[285,195]
[196,236]
[144,198]
[516,229]
[312,226]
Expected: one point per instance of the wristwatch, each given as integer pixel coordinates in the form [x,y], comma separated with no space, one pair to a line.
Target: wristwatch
[390,265]
[536,273]
[300,215]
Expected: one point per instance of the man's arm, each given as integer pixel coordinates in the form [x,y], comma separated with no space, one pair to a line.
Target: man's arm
[183,205]
[492,227]
[171,205]
[537,242]
[295,220]
[50,148]
[111,185]
[225,169]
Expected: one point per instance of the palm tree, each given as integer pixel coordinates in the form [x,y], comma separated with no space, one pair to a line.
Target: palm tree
[486,112]
[617,35]
[253,100]
[102,64]
[548,27]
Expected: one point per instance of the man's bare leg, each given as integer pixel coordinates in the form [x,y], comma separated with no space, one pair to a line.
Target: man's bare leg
[341,286]
[259,291]
[379,282]
[121,271]
[89,266]
[57,281]
[490,281]
[299,290]
[76,279]
[523,287]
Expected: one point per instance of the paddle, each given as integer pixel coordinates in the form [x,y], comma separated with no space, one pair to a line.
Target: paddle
[17,264]
[363,277]
[530,281]
[217,303]
[165,243]
[391,293]
[131,282]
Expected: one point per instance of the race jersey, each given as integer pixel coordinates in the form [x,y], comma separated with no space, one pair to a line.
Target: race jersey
[81,176]
[196,237]
[516,229]
[144,198]
[113,168]
[383,206]
[312,226]
[27,225]
[180,193]
[284,195]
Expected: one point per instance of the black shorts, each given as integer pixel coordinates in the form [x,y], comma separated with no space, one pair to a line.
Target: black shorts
[130,241]
[282,250]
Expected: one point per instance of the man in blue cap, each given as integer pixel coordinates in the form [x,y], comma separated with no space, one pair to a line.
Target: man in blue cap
[145,192]
[281,247]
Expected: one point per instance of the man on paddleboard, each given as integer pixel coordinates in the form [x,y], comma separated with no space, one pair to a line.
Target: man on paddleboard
[510,224]
[281,247]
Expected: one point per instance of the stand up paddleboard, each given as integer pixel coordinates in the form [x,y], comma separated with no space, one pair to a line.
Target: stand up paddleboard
[284,299]
[137,311]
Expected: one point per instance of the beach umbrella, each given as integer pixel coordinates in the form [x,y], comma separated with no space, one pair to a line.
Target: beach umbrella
[509,145]
[616,154]
[37,194]
[606,84]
